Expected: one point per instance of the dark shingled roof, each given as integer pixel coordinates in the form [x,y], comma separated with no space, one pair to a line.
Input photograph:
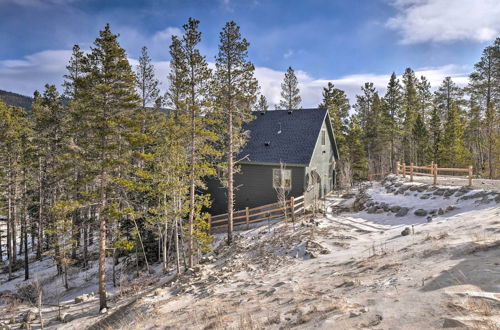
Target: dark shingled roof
[294,145]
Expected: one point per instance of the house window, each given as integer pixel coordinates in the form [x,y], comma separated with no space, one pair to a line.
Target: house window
[282,179]
[323,138]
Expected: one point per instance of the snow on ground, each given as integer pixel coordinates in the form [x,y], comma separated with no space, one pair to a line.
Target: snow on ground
[479,183]
[345,270]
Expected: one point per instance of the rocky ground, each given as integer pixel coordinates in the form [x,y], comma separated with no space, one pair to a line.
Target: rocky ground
[359,266]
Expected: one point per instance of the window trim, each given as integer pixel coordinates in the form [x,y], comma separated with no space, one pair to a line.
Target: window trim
[287,172]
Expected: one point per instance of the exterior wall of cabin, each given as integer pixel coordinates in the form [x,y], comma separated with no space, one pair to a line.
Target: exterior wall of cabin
[322,164]
[254,187]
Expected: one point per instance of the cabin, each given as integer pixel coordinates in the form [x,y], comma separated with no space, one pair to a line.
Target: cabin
[294,149]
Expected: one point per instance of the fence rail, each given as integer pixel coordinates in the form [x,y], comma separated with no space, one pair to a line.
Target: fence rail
[293,206]
[433,171]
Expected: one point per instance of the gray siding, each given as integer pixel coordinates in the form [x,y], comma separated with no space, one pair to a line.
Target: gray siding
[323,160]
[255,187]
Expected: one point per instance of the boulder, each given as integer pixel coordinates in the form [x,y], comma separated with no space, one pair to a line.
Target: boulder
[406,231]
[395,208]
[372,209]
[450,208]
[402,212]
[420,212]
[433,211]
[449,192]
[429,219]
[384,206]
[440,211]
[29,316]
[66,317]
[422,188]
[439,192]
[425,196]
[379,211]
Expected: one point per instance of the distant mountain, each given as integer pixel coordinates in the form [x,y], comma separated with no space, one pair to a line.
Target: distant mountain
[16,99]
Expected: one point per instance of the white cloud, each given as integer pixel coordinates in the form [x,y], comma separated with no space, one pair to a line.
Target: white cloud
[446,20]
[34,71]
[288,53]
[166,34]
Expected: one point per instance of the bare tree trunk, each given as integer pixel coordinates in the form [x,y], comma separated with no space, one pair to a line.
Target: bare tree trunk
[102,244]
[142,245]
[230,202]
[176,241]
[39,303]
[39,246]
[25,221]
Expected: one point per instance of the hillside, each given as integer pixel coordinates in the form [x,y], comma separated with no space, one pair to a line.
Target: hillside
[16,99]
[352,268]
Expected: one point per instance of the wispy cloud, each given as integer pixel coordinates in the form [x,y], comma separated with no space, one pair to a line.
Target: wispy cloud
[34,71]
[166,34]
[446,20]
[36,3]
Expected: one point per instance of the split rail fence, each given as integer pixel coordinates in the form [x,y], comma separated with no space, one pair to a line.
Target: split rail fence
[247,216]
[433,171]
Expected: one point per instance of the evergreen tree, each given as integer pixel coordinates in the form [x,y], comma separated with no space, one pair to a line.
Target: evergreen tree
[145,79]
[484,82]
[201,140]
[290,97]
[424,95]
[448,93]
[357,158]
[364,104]
[392,104]
[435,130]
[455,154]
[409,109]
[421,137]
[235,91]
[337,104]
[74,72]
[262,105]
[109,98]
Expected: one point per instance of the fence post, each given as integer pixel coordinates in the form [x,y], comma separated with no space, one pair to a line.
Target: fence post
[404,170]
[435,173]
[397,168]
[470,175]
[411,172]
[292,206]
[247,217]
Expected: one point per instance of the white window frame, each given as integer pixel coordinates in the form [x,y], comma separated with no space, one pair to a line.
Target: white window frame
[282,179]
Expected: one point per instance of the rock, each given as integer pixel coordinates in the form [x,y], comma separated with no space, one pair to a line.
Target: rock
[420,213]
[4,326]
[384,206]
[402,212]
[422,188]
[379,211]
[449,192]
[25,325]
[429,219]
[426,196]
[370,203]
[395,208]
[312,254]
[152,271]
[372,209]
[104,311]
[433,212]
[450,208]
[497,198]
[440,211]
[452,323]
[84,297]
[354,314]
[66,317]
[413,188]
[29,316]
[432,188]
[440,192]
[406,231]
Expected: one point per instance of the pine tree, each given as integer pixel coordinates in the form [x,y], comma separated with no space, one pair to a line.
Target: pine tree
[109,97]
[262,105]
[424,98]
[392,104]
[74,74]
[484,82]
[145,79]
[448,93]
[235,91]
[290,97]
[201,140]
[364,104]
[356,155]
[435,130]
[421,137]
[455,154]
[410,109]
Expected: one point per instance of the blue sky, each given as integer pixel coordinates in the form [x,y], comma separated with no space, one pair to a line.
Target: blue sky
[347,42]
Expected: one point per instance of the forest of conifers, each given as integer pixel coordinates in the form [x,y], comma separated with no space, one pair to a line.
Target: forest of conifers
[100,163]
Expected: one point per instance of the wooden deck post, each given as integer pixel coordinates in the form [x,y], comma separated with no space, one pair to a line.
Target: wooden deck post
[247,216]
[292,207]
[470,176]
[404,170]
[435,174]
[411,172]
[397,168]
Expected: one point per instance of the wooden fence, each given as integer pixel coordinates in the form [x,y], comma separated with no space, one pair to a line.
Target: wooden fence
[293,206]
[432,170]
